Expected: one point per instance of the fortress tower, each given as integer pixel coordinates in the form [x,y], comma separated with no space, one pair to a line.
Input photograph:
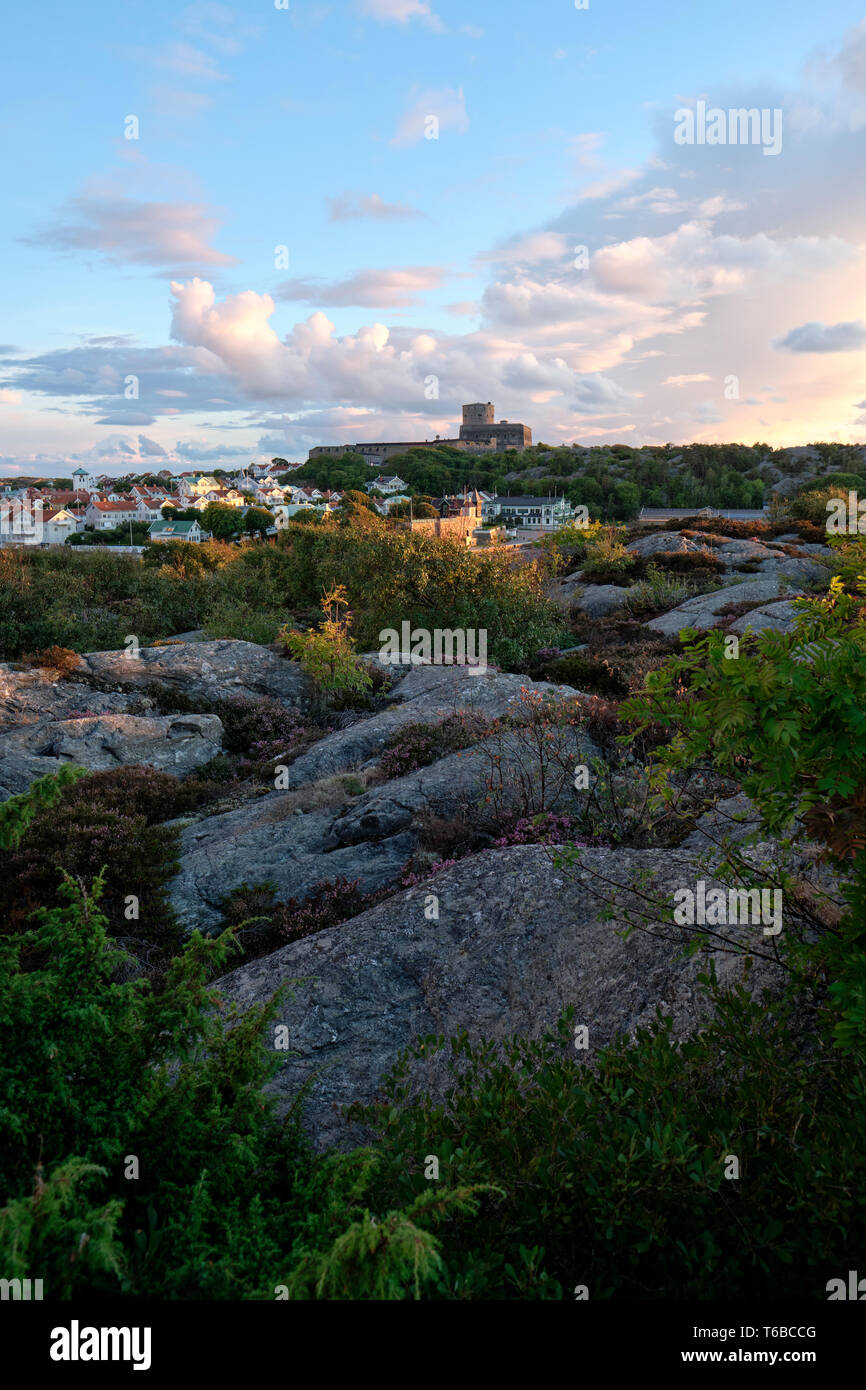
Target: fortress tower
[480,427]
[477,415]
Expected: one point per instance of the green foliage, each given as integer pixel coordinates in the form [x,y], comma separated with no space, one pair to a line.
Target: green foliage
[387,1258]
[659,591]
[612,1175]
[125,533]
[58,1232]
[89,600]
[87,823]
[222,521]
[19,812]
[327,653]
[607,561]
[787,719]
[257,520]
[95,1069]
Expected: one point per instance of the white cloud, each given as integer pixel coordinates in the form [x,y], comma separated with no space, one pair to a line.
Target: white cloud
[447,105]
[373,288]
[352,206]
[175,236]
[400,11]
[182,58]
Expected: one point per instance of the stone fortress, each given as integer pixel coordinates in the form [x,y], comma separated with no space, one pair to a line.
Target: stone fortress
[479,432]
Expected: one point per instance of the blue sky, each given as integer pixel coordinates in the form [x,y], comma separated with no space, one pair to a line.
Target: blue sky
[411,259]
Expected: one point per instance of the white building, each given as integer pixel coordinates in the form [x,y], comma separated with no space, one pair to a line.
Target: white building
[149,509]
[57,527]
[386,483]
[535,513]
[83,481]
[103,515]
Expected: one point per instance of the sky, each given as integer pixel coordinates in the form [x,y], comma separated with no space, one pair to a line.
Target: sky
[236,231]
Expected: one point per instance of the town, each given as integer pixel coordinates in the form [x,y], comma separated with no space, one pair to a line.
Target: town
[259,501]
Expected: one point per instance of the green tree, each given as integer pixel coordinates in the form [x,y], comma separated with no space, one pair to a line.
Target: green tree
[223,522]
[257,520]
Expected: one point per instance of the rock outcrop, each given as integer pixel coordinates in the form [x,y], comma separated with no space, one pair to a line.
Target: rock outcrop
[100,715]
[209,670]
[285,836]
[499,943]
[703,610]
[172,743]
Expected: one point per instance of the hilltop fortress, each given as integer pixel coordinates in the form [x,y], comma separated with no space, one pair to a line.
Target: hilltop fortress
[479,432]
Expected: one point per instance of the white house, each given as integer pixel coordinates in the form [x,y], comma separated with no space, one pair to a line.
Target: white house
[103,515]
[386,483]
[170,530]
[57,527]
[149,509]
[191,485]
[389,502]
[541,513]
[284,511]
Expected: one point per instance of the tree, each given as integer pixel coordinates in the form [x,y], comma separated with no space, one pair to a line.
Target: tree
[223,522]
[416,509]
[352,500]
[257,520]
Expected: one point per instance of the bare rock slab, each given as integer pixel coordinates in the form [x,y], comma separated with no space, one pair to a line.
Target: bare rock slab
[516,940]
[213,670]
[702,611]
[172,743]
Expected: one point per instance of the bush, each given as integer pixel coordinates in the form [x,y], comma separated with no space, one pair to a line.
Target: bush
[647,1128]
[105,821]
[418,745]
[585,672]
[260,728]
[111,1069]
[59,659]
[327,654]
[687,561]
[660,591]
[774,719]
[260,924]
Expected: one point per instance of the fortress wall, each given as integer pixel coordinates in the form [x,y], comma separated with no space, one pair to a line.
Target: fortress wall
[454,527]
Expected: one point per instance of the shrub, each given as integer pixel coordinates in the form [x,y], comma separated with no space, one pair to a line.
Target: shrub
[586,672]
[530,755]
[774,719]
[165,1075]
[544,829]
[688,561]
[418,745]
[59,659]
[661,591]
[260,728]
[327,654]
[647,1127]
[260,924]
[105,821]
[18,812]
[328,905]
